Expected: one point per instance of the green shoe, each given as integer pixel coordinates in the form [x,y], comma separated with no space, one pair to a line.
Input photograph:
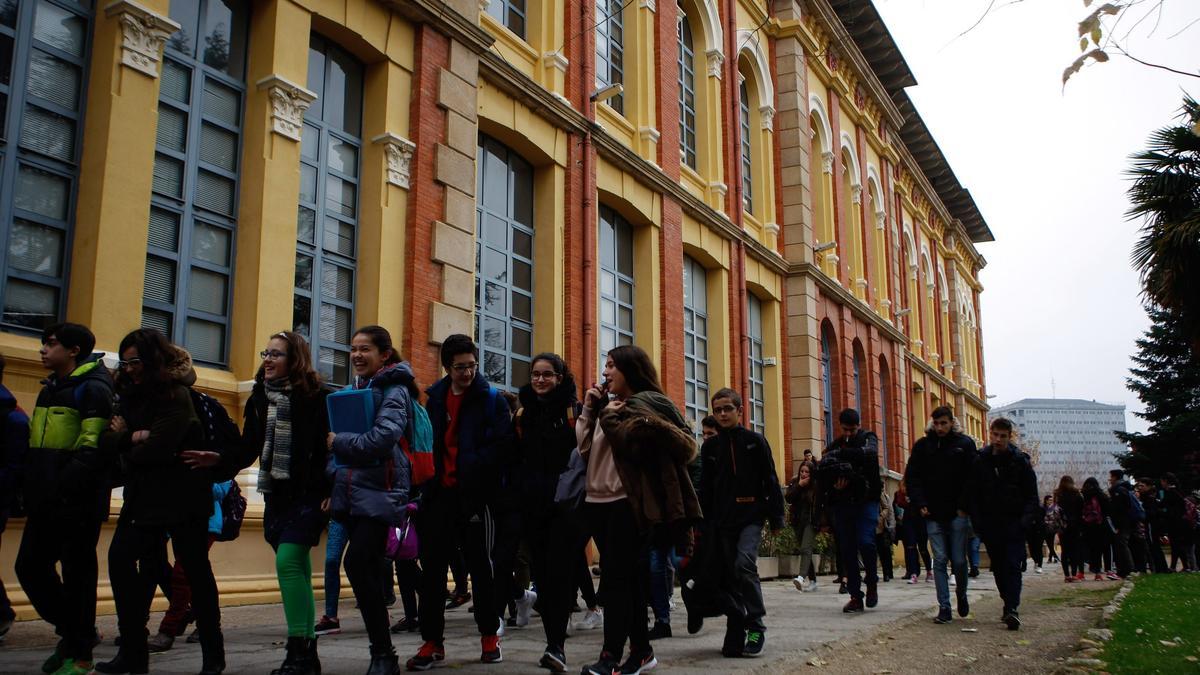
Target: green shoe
[74,667]
[53,662]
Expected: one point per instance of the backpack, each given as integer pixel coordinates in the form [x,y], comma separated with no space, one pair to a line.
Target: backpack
[220,432]
[233,512]
[418,443]
[1092,513]
[1054,519]
[1137,513]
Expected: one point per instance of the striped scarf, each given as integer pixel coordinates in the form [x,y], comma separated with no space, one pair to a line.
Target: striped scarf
[276,461]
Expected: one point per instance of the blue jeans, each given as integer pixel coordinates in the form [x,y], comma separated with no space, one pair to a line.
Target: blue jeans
[948,538]
[854,530]
[335,547]
[973,552]
[661,562]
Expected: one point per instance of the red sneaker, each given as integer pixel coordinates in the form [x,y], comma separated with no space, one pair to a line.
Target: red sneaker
[491,649]
[429,655]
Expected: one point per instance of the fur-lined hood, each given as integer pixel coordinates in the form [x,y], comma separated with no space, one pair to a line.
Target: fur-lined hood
[181,369]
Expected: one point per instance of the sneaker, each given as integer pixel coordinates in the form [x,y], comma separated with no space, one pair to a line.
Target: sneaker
[525,608]
[326,626]
[695,621]
[974,572]
[812,585]
[429,655]
[755,641]
[406,625]
[638,663]
[554,660]
[1079,577]
[1098,577]
[659,631]
[854,606]
[842,590]
[592,619]
[1070,580]
[913,579]
[74,667]
[1012,621]
[800,583]
[929,576]
[1112,576]
[458,600]
[943,616]
[964,606]
[953,580]
[872,595]
[490,649]
[606,665]
[1037,570]
[194,636]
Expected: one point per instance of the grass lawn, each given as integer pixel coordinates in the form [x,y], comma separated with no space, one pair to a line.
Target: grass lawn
[1157,629]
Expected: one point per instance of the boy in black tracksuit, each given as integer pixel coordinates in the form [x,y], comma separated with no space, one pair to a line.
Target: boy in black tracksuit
[739,489]
[1004,506]
[66,493]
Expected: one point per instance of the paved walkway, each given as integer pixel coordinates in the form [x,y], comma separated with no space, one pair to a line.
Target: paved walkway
[797,623]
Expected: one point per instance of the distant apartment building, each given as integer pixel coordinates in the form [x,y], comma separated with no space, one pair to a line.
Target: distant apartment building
[1072,436]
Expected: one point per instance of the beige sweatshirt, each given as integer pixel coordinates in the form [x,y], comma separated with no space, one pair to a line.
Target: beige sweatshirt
[603,481]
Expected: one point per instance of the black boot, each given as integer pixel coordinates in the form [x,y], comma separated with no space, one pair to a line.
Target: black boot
[291,653]
[213,649]
[129,659]
[384,662]
[301,658]
[312,664]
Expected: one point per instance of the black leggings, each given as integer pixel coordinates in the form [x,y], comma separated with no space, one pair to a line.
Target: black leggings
[367,539]
[622,586]
[408,578]
[1035,548]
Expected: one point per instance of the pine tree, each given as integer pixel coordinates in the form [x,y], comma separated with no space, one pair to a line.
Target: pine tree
[1166,377]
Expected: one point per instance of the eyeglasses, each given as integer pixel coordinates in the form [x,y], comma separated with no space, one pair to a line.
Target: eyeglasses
[272,354]
[131,362]
[464,367]
[721,410]
[543,375]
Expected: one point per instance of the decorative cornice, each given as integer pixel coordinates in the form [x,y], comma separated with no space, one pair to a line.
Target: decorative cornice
[143,33]
[288,103]
[648,4]
[771,228]
[767,113]
[555,59]
[399,152]
[716,59]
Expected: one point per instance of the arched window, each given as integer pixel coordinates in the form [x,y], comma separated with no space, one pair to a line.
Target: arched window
[885,395]
[858,375]
[616,281]
[327,218]
[610,48]
[827,373]
[747,149]
[687,92]
[44,48]
[820,168]
[695,340]
[756,365]
[504,264]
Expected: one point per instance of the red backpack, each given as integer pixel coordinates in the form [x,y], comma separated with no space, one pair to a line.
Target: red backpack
[1092,513]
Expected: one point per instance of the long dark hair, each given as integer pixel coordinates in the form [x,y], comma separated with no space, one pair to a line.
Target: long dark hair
[1091,488]
[382,339]
[1066,485]
[156,354]
[304,379]
[559,366]
[635,364]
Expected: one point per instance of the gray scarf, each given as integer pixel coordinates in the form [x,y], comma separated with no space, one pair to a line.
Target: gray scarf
[276,461]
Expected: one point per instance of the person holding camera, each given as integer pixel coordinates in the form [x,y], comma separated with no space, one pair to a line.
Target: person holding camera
[849,472]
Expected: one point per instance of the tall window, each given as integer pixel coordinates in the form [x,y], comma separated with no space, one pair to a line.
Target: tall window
[687,93]
[43,65]
[610,48]
[695,340]
[504,264]
[510,14]
[758,417]
[858,393]
[193,204]
[327,216]
[827,383]
[747,161]
[885,392]
[616,281]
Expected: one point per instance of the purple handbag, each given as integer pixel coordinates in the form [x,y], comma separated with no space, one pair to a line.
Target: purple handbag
[402,539]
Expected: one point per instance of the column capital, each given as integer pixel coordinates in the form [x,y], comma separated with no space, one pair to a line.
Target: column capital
[716,59]
[767,113]
[143,34]
[399,152]
[289,101]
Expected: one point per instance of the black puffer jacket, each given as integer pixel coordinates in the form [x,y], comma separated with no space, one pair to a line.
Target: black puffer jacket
[545,437]
[938,475]
[738,484]
[855,458]
[1003,491]
[159,488]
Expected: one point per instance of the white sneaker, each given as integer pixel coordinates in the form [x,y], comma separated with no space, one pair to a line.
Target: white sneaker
[1037,570]
[525,608]
[952,581]
[912,580]
[800,584]
[812,586]
[592,619]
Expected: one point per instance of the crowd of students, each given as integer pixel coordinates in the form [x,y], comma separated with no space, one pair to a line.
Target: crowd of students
[507,491]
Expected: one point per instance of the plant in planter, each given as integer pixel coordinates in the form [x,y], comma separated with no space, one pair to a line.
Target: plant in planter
[768,564]
[787,548]
[823,552]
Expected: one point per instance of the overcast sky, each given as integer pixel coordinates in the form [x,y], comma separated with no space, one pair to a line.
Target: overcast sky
[1046,167]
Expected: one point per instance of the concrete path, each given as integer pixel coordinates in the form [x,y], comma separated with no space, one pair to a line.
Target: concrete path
[797,622]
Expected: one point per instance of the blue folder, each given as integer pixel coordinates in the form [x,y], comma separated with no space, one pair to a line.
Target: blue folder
[351,410]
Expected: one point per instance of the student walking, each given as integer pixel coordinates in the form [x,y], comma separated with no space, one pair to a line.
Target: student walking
[805,517]
[739,492]
[1035,538]
[472,435]
[163,496]
[849,471]
[1155,527]
[913,533]
[1004,508]
[1070,503]
[66,494]
[937,481]
[1181,524]
[14,445]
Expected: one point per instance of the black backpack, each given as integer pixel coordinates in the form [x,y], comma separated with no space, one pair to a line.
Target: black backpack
[233,512]
[220,433]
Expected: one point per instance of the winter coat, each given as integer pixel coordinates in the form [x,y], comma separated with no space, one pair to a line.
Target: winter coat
[1119,506]
[1071,506]
[806,507]
[887,517]
[738,483]
[652,445]
[856,458]
[545,437]
[66,475]
[159,488]
[938,474]
[309,484]
[1003,488]
[484,440]
[12,454]
[370,473]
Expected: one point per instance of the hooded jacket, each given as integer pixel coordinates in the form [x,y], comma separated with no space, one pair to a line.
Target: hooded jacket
[938,473]
[1003,492]
[484,439]
[545,437]
[856,458]
[370,472]
[12,454]
[1119,495]
[159,488]
[65,473]
[738,483]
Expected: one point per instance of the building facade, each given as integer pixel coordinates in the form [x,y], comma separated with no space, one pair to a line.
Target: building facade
[760,206]
[1072,437]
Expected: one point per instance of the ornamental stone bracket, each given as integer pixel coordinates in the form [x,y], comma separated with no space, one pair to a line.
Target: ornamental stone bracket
[399,152]
[715,61]
[648,4]
[555,59]
[649,134]
[767,113]
[288,103]
[143,33]
[771,228]
[827,162]
[880,220]
[856,193]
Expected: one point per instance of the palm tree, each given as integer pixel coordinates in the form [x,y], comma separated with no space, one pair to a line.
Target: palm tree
[1166,195]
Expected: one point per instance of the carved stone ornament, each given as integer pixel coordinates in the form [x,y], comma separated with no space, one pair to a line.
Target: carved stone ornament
[715,61]
[649,134]
[767,113]
[556,59]
[288,103]
[827,162]
[880,220]
[856,193]
[771,228]
[483,6]
[143,34]
[399,152]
